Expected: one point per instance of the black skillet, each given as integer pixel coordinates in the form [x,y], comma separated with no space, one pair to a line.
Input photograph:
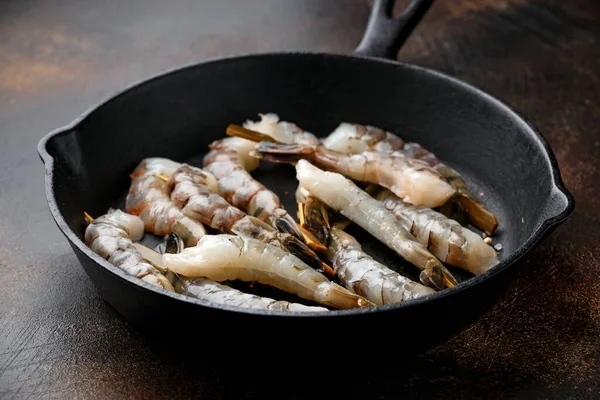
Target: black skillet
[176,115]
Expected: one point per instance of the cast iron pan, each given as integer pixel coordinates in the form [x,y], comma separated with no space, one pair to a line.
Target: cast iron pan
[177,115]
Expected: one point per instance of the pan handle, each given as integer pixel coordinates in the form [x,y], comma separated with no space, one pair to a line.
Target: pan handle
[384,34]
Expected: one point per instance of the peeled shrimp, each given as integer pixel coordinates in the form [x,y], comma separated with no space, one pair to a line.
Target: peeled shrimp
[111,236]
[189,190]
[363,275]
[226,257]
[343,196]
[148,198]
[356,138]
[444,237]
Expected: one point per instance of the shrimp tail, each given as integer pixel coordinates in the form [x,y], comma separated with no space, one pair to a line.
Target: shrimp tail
[314,217]
[467,205]
[477,213]
[452,209]
[437,276]
[159,280]
[312,241]
[334,295]
[283,153]
[284,222]
[306,254]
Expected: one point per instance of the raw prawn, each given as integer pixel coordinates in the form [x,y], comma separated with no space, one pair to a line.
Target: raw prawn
[111,236]
[411,179]
[230,162]
[358,271]
[280,131]
[363,275]
[227,257]
[206,289]
[342,195]
[214,292]
[190,192]
[356,138]
[148,198]
[444,237]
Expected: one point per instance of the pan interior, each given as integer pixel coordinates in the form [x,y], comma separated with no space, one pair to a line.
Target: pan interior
[178,115]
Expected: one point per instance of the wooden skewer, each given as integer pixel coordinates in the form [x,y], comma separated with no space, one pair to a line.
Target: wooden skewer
[88,217]
[240,131]
[301,214]
[162,177]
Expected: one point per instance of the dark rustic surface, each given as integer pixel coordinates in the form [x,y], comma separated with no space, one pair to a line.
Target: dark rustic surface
[58,339]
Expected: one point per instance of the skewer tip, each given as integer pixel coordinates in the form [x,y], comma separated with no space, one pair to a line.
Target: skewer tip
[88,217]
[245,133]
[301,214]
[162,177]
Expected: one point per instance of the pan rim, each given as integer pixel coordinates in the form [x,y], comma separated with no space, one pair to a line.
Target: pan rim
[558,187]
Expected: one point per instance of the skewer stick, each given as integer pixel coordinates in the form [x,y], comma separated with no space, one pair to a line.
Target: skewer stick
[301,214]
[162,177]
[240,131]
[88,217]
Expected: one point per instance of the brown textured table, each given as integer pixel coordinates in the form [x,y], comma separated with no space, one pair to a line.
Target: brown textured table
[58,339]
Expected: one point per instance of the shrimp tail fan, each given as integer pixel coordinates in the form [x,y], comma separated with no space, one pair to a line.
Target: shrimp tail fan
[283,153]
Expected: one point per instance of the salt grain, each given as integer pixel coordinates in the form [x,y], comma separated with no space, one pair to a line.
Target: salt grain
[498,247]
